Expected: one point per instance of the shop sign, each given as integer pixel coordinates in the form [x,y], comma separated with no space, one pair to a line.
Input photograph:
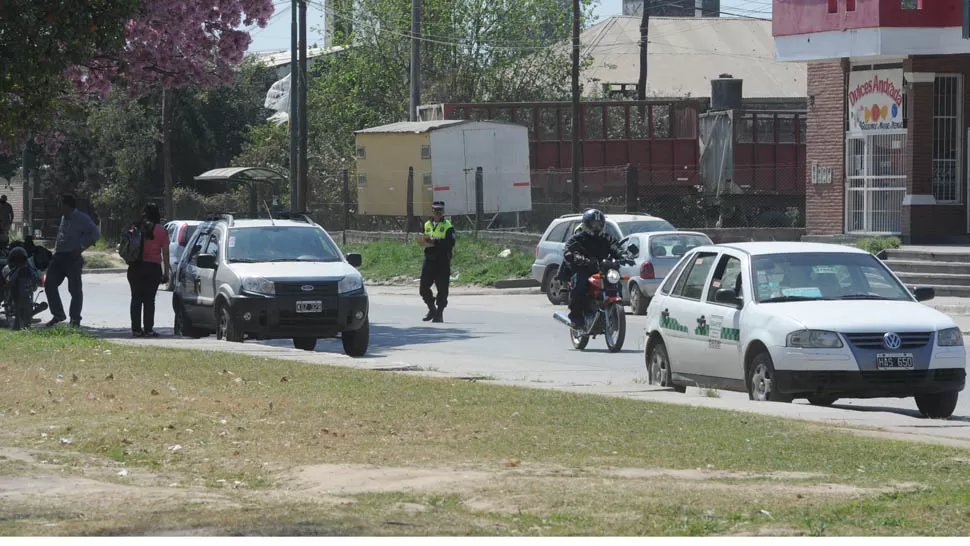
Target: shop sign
[875,100]
[820,174]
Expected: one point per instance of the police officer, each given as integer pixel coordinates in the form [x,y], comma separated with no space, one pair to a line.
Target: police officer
[440,237]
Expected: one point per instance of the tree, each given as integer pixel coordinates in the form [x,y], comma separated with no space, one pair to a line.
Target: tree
[142,46]
[40,40]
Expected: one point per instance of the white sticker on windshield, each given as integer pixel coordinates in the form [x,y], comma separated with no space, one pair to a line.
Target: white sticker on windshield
[762,277]
[232,241]
[807,292]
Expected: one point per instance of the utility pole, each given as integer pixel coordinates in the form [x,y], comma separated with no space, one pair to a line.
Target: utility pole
[303,189]
[294,121]
[577,152]
[644,29]
[415,60]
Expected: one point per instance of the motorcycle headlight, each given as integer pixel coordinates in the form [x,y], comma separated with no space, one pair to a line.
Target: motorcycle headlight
[814,339]
[613,276]
[258,285]
[951,337]
[350,283]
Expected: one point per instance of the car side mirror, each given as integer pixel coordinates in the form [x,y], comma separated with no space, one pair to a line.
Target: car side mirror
[924,293]
[728,297]
[634,250]
[207,261]
[355,259]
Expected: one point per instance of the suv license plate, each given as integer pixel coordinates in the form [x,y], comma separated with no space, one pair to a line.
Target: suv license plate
[309,307]
[894,361]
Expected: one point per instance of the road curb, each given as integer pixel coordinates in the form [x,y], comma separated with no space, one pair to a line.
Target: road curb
[516,283]
[103,271]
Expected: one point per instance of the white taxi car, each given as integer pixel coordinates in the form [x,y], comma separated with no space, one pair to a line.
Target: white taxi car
[801,320]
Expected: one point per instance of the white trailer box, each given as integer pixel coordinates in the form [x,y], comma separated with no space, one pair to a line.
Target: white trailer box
[500,149]
[445,155]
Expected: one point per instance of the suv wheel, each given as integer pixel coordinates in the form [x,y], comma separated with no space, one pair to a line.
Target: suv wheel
[555,289]
[182,326]
[356,341]
[305,343]
[227,329]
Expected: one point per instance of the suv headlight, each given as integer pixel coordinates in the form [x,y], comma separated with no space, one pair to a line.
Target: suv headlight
[814,339]
[259,285]
[350,283]
[951,337]
[613,276]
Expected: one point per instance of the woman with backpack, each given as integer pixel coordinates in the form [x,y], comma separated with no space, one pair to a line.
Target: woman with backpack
[146,273]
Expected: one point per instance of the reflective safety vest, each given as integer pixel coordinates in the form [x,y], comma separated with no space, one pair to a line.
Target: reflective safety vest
[438,231]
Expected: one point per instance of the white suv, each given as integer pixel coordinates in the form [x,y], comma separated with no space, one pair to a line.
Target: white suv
[550,248]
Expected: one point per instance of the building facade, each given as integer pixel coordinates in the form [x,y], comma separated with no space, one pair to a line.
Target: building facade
[887,130]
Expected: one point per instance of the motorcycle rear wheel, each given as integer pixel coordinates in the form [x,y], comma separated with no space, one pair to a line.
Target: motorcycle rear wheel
[615,327]
[579,340]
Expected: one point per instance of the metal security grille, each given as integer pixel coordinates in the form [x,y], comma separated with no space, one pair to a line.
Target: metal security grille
[875,182]
[946,138]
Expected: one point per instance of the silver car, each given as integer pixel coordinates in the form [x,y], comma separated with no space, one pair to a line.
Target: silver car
[179,234]
[659,253]
[549,251]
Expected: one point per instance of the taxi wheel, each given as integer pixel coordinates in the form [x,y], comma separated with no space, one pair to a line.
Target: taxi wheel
[761,376]
[638,302]
[938,405]
[658,368]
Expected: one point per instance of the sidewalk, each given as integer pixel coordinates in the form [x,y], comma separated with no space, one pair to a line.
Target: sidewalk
[953,306]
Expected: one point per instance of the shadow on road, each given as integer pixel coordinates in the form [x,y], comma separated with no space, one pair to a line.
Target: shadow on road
[383,338]
[930,423]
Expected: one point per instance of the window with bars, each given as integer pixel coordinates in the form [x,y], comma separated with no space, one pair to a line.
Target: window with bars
[947,93]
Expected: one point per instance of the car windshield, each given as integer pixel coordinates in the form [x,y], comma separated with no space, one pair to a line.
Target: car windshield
[280,244]
[644,226]
[824,276]
[675,246]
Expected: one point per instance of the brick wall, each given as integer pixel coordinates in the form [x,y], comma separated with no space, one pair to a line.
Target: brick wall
[825,143]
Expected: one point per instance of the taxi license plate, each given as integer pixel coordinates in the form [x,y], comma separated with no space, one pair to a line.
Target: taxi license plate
[894,361]
[309,307]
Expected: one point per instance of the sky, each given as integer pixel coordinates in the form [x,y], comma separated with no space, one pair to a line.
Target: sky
[276,35]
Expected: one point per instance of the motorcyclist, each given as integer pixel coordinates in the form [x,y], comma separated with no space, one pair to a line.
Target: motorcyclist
[587,247]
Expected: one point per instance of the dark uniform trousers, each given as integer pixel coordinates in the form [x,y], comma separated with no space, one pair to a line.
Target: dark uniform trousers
[437,273]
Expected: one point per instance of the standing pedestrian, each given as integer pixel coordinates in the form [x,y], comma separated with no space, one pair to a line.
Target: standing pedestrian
[76,234]
[440,240]
[146,274]
[6,220]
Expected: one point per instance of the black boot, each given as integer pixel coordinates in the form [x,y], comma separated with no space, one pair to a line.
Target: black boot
[439,315]
[431,314]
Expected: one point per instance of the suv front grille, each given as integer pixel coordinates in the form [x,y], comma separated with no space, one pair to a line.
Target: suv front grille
[320,289]
[873,341]
[291,318]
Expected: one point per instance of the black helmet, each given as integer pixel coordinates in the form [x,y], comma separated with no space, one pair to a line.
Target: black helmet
[594,221]
[17,256]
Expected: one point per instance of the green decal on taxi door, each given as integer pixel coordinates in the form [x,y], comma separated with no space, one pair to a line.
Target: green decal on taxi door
[668,323]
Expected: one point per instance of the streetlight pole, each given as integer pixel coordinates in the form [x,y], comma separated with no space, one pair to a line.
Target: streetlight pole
[301,180]
[294,122]
[577,152]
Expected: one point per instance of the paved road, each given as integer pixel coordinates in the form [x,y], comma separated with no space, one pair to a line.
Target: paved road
[511,339]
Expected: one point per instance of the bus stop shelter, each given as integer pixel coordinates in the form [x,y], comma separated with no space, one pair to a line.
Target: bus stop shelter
[251,177]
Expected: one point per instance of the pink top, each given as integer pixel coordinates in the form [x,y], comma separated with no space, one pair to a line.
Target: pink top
[152,249]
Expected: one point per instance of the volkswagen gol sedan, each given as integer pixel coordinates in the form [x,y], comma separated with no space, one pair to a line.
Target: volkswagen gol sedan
[801,320]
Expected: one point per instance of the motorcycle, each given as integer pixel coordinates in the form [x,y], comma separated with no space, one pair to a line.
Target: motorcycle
[605,314]
[21,289]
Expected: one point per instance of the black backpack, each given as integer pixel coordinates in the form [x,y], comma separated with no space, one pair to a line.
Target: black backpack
[132,244]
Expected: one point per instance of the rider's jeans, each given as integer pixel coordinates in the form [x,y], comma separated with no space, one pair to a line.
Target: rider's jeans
[578,295]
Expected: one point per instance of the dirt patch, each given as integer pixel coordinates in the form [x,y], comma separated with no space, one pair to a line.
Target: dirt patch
[349,480]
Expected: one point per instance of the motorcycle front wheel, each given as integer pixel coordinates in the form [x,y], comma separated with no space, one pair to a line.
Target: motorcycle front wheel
[615,327]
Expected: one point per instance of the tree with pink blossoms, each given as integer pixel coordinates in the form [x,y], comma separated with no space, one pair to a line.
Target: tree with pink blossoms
[97,45]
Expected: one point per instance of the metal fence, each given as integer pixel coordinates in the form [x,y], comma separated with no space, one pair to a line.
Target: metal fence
[676,196]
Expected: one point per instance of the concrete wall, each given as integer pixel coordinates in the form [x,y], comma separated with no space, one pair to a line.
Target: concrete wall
[526,242]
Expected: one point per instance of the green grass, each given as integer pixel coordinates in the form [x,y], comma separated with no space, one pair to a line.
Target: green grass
[549,458]
[101,261]
[875,245]
[474,262]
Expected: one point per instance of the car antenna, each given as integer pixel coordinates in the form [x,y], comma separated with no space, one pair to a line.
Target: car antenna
[269,213]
